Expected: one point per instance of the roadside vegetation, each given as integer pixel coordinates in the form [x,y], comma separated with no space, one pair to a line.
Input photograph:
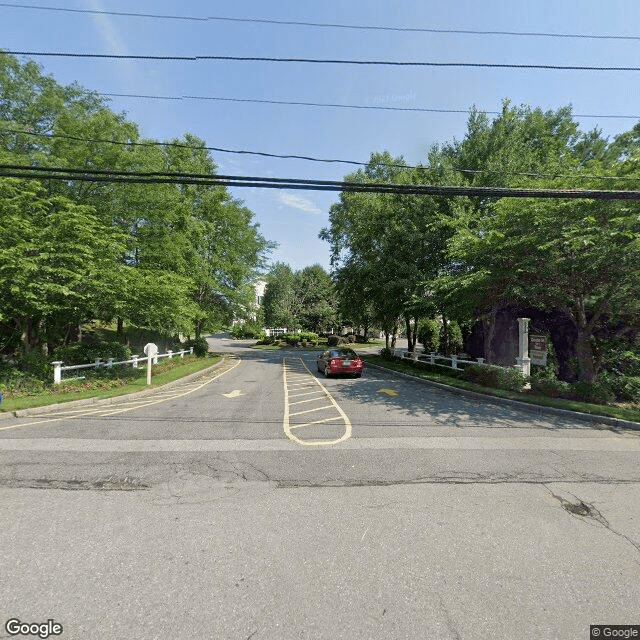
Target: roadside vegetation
[148,260]
[494,381]
[455,273]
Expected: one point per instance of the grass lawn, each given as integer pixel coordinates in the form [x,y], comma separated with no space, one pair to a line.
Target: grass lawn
[163,372]
[621,412]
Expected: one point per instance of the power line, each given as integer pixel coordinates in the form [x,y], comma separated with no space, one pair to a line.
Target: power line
[394,63]
[180,145]
[332,25]
[338,105]
[137,177]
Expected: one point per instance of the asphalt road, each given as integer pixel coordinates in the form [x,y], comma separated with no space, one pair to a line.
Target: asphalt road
[265,501]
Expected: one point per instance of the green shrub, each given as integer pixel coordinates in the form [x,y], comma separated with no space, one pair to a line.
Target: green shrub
[454,342]
[81,353]
[362,339]
[429,335]
[551,388]
[200,346]
[247,331]
[386,353]
[626,363]
[334,341]
[624,388]
[596,392]
[15,381]
[486,376]
[512,379]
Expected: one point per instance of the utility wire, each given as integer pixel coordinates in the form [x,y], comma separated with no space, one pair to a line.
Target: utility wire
[180,145]
[331,25]
[337,105]
[137,177]
[394,63]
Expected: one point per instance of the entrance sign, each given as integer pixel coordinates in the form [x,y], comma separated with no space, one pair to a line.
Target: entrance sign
[538,349]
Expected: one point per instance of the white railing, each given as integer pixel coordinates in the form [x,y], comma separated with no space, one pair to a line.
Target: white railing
[58,367]
[432,357]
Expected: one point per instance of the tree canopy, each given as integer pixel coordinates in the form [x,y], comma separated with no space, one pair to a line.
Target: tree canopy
[173,258]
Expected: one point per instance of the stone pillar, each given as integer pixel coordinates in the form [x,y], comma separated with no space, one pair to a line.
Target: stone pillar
[57,372]
[524,362]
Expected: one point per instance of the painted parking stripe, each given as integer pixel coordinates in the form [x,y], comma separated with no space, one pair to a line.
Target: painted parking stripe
[293,373]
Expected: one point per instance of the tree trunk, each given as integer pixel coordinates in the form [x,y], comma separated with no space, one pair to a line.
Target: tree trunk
[198,328]
[120,329]
[386,338]
[394,336]
[407,321]
[489,327]
[584,353]
[445,336]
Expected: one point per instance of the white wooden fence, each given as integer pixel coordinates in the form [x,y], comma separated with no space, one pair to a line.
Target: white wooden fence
[432,357]
[135,361]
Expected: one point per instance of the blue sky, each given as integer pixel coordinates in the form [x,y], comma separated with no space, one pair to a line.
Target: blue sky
[294,218]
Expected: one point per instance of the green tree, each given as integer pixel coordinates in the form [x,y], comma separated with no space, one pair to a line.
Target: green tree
[57,263]
[315,299]
[280,303]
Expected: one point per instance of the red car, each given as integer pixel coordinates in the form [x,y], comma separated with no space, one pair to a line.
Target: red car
[340,360]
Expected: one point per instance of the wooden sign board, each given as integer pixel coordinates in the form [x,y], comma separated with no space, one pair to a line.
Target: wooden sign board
[538,349]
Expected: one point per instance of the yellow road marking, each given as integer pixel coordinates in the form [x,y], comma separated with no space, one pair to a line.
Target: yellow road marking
[310,393]
[298,413]
[288,427]
[304,401]
[388,392]
[138,406]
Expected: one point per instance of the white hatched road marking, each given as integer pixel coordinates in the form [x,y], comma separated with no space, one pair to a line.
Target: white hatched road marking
[67,414]
[293,382]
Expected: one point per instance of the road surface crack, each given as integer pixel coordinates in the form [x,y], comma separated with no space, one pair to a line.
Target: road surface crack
[582,510]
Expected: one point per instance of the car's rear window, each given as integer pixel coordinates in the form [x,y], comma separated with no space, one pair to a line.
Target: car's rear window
[343,353]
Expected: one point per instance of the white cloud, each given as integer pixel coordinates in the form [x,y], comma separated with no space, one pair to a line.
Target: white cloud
[107,29]
[296,202]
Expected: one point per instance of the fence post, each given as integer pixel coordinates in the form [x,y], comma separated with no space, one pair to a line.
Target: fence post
[97,365]
[57,372]
[110,363]
[135,361]
[480,360]
[182,353]
[433,358]
[454,362]
[149,358]
[190,351]
[170,353]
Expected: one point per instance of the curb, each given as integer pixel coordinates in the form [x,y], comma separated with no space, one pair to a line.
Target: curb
[535,408]
[34,411]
